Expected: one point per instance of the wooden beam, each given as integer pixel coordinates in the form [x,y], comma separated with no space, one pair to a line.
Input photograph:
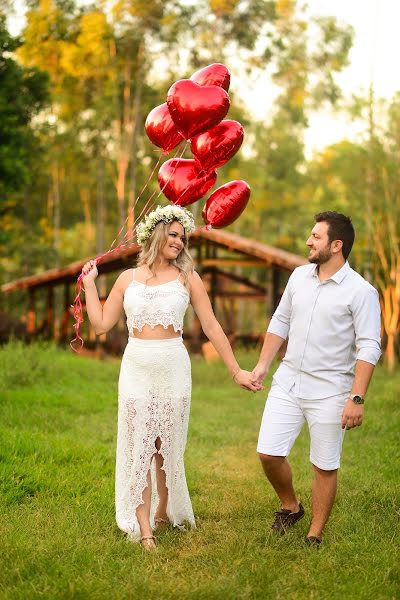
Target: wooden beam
[241,295]
[253,253]
[242,280]
[116,260]
[281,258]
[233,262]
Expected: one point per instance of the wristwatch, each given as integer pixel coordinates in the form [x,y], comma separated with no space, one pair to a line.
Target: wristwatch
[357,399]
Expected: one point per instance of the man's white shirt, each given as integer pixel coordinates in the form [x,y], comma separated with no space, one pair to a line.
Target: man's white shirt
[329,325]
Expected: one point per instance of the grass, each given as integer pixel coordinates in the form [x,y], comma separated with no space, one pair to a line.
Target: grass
[58,537]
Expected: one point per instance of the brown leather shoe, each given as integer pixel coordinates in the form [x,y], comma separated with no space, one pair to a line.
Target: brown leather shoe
[285,519]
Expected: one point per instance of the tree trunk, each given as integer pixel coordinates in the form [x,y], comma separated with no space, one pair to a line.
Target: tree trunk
[124,147]
[56,210]
[122,167]
[390,354]
[100,203]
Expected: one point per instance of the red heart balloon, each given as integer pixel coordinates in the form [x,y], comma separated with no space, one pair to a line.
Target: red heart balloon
[161,129]
[215,74]
[195,108]
[226,204]
[216,146]
[180,180]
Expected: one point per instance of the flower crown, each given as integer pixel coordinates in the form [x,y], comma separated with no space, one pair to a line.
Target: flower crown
[166,214]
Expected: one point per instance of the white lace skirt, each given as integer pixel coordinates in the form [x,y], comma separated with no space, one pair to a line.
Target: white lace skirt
[153,402]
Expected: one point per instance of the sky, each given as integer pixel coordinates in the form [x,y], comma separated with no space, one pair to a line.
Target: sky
[373,58]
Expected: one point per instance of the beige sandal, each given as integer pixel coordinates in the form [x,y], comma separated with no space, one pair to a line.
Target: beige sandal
[148,542]
[161,524]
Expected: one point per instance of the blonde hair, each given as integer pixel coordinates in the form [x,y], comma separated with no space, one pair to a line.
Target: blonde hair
[155,243]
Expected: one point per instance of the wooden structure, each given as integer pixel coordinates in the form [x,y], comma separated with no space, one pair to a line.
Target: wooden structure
[235,270]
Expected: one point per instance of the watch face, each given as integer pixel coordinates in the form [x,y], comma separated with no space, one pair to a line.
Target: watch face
[358,399]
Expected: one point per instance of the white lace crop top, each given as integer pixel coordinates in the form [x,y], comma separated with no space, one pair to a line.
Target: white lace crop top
[163,304]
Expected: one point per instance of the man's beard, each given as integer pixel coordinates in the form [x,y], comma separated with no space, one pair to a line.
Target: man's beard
[322,257]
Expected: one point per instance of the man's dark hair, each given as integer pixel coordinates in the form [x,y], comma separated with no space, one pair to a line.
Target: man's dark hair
[340,227]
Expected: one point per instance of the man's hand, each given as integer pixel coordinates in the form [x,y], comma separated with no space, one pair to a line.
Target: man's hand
[258,374]
[245,380]
[352,415]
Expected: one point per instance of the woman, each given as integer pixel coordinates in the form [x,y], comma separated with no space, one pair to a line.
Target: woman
[155,379]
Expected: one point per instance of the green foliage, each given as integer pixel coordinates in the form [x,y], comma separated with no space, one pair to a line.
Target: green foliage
[23,93]
[104,79]
[59,540]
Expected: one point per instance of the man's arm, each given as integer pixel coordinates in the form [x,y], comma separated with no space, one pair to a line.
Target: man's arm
[277,333]
[353,414]
[366,317]
[271,345]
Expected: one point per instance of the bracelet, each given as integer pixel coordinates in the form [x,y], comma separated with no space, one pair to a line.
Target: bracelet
[235,373]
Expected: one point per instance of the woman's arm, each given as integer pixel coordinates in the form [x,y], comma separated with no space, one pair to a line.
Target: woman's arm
[213,330]
[103,318]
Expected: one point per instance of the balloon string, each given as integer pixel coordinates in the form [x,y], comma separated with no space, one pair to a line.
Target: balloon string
[140,194]
[143,212]
[137,199]
[152,195]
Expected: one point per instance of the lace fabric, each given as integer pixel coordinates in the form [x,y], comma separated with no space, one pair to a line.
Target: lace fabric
[163,304]
[153,402]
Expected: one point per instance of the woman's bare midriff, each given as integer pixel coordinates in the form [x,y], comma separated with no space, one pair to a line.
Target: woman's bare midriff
[155,333]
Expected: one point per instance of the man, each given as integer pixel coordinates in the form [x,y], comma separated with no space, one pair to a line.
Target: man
[331,317]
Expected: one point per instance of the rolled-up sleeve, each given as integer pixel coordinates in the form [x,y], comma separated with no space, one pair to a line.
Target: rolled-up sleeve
[367,325]
[280,321]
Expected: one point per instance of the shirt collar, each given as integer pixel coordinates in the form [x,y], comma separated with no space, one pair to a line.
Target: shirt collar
[336,277]
[341,274]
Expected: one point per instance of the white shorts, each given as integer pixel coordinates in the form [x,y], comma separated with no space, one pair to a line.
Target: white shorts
[283,418]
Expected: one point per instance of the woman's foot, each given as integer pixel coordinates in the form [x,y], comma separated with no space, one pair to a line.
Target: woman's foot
[148,542]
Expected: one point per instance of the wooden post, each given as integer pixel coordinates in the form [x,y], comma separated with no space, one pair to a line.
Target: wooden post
[200,257]
[50,313]
[214,280]
[213,288]
[65,315]
[31,321]
[193,323]
[269,304]
[276,295]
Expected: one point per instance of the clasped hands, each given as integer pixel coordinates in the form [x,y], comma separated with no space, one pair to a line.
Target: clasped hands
[251,381]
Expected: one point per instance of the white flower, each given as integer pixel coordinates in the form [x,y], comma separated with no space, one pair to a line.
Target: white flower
[167,214]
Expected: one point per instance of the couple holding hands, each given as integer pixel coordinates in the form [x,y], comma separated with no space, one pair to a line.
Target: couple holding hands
[331,318]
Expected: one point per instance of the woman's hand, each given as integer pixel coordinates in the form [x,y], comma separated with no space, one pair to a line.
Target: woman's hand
[244,379]
[89,272]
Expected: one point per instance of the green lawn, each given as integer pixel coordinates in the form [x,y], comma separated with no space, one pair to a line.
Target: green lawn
[58,536]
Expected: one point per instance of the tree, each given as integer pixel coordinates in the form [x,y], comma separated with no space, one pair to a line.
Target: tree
[383,218]
[363,180]
[23,94]
[105,75]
